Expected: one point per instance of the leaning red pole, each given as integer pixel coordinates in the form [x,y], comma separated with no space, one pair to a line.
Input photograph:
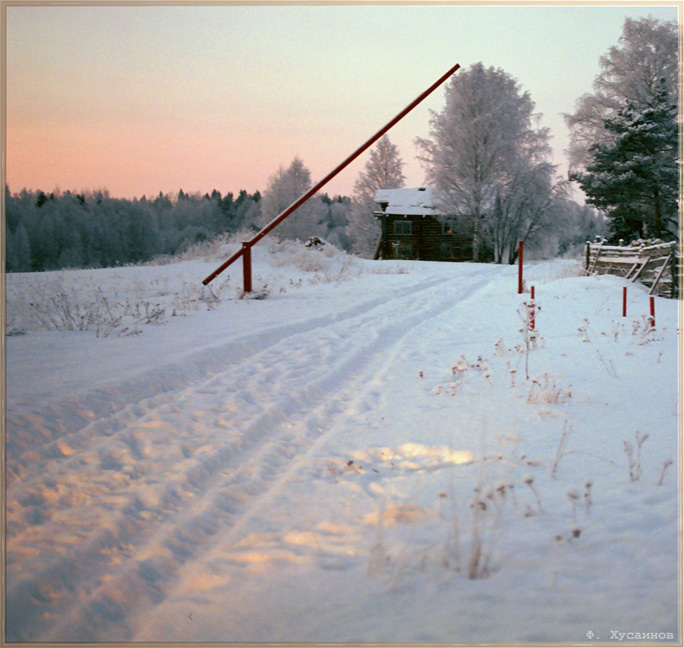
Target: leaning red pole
[300,201]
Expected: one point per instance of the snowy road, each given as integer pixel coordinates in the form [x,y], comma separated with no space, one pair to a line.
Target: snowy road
[159,479]
[221,493]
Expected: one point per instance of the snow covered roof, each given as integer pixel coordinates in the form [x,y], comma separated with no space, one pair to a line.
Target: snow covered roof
[416,201]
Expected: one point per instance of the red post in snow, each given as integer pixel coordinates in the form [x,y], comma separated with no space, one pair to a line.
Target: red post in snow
[532,307]
[247,267]
[283,215]
[652,311]
[624,301]
[520,267]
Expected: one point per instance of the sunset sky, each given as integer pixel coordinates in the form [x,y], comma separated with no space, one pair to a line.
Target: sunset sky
[143,99]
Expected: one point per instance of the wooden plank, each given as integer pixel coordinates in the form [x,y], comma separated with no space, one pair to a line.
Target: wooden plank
[631,270]
[659,275]
[640,270]
[619,261]
[660,247]
[598,252]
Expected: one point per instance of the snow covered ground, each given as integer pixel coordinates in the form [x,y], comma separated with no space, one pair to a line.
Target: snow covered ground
[355,454]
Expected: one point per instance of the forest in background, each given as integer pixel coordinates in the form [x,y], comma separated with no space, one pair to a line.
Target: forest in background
[95,230]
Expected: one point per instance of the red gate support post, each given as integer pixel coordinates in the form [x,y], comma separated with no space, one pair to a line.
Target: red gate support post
[624,301]
[247,267]
[652,311]
[302,199]
[520,267]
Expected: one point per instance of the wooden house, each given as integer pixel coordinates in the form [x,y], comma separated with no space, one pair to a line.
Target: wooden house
[413,227]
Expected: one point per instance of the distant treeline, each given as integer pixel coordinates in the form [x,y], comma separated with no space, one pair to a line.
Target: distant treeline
[94,230]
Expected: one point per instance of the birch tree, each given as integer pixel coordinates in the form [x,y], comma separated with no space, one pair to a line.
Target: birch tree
[523,210]
[481,146]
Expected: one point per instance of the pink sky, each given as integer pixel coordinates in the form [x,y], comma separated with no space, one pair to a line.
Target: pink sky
[140,100]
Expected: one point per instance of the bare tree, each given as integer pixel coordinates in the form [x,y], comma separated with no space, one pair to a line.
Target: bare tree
[383,170]
[284,187]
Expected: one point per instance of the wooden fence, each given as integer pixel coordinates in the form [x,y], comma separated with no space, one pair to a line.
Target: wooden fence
[657,266]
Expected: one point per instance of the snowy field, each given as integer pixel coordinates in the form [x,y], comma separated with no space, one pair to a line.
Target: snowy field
[361,452]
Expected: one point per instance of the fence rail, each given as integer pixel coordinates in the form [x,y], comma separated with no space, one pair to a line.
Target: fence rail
[656,265]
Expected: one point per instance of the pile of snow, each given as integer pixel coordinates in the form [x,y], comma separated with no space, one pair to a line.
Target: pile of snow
[375,452]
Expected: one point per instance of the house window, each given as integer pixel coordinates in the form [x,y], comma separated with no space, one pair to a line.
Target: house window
[447,227]
[402,228]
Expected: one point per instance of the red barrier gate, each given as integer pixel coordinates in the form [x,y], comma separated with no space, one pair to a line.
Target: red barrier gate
[245,251]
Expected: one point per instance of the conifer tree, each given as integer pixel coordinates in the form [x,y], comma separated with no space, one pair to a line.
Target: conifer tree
[634,177]
[631,71]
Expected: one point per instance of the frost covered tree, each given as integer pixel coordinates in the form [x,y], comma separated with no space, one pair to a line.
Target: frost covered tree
[634,175]
[483,145]
[17,250]
[336,221]
[631,71]
[383,170]
[525,209]
[578,224]
[284,187]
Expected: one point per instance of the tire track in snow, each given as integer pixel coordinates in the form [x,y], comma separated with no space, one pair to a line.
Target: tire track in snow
[94,450]
[110,407]
[168,518]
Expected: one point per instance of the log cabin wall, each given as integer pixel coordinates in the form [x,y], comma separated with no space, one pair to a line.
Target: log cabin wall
[424,238]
